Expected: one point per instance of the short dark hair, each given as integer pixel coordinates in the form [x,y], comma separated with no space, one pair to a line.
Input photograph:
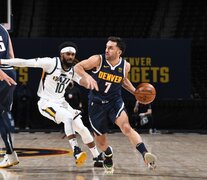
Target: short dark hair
[67,44]
[120,43]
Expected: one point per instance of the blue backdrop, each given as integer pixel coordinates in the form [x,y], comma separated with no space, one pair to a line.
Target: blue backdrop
[164,63]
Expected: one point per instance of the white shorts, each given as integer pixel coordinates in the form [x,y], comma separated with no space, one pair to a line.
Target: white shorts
[56,111]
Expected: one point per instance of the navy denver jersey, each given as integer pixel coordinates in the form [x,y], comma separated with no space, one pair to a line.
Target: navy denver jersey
[109,79]
[4,43]
[4,47]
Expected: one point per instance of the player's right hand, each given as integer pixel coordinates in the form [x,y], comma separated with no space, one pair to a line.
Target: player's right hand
[4,76]
[92,84]
[88,82]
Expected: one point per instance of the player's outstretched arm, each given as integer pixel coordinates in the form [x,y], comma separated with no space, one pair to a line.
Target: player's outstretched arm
[46,63]
[5,77]
[18,62]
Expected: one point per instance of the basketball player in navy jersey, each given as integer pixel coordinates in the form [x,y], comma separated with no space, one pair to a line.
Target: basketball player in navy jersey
[109,73]
[57,74]
[6,99]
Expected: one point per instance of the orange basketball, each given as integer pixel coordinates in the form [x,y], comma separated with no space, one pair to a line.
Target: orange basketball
[145,93]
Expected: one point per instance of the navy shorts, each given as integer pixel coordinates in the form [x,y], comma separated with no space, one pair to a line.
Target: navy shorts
[101,115]
[6,92]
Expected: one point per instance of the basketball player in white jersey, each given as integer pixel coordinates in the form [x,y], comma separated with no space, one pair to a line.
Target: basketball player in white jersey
[57,74]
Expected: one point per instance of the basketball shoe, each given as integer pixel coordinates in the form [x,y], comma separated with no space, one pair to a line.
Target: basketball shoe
[80,156]
[9,160]
[98,161]
[108,162]
[150,160]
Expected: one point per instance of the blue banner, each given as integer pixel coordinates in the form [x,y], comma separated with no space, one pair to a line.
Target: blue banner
[163,63]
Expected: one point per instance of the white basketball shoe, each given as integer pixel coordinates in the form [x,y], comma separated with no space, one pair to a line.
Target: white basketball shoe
[150,160]
[9,160]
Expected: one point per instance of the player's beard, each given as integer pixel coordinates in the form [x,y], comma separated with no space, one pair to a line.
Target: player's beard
[67,63]
[109,56]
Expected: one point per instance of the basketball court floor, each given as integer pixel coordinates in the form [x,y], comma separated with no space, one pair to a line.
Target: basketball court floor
[48,156]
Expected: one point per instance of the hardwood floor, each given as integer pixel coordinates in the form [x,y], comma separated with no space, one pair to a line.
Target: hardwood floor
[48,156]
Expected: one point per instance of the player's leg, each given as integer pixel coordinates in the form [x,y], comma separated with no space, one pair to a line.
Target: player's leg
[136,140]
[102,143]
[10,158]
[79,155]
[83,131]
[6,99]
[87,139]
[58,114]
[7,115]
[98,121]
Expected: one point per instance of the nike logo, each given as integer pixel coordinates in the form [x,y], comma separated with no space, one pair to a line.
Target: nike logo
[106,66]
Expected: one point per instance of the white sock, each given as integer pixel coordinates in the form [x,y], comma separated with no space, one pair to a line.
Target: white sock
[73,142]
[94,151]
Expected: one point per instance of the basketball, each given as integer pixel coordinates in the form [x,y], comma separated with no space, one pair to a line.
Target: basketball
[145,93]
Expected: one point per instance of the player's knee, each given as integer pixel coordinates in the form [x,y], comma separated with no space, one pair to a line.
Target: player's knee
[126,128]
[85,135]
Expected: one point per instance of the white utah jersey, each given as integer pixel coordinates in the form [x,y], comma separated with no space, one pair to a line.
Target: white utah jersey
[53,84]
[54,79]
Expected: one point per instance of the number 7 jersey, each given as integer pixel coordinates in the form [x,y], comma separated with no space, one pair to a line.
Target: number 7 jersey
[109,79]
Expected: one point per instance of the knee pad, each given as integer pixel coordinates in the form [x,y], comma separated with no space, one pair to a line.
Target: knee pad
[66,118]
[68,128]
[85,134]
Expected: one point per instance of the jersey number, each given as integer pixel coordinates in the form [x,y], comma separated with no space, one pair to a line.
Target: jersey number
[108,85]
[2,46]
[60,87]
